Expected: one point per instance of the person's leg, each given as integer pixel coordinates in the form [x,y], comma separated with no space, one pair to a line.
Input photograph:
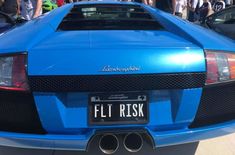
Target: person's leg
[179,14]
[152,3]
[1,4]
[191,16]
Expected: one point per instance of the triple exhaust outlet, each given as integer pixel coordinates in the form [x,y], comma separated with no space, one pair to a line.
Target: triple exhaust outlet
[109,143]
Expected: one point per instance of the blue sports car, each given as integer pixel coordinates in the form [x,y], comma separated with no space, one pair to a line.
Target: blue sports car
[107,76]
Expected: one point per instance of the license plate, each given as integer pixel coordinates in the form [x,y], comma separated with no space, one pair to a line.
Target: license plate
[118,108]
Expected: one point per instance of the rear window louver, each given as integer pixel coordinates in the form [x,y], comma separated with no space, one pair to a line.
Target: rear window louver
[108,17]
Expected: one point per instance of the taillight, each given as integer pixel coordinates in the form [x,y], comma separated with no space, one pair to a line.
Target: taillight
[220,66]
[13,73]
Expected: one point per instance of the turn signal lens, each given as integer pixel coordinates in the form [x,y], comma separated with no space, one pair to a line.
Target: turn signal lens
[220,66]
[13,73]
[231,61]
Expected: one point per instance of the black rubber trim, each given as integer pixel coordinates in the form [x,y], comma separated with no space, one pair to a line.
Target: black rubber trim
[217,105]
[104,83]
[18,113]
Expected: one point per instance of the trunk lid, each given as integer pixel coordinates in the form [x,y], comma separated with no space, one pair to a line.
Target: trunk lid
[114,52]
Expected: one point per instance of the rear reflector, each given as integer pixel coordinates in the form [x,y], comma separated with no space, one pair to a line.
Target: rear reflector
[220,66]
[13,73]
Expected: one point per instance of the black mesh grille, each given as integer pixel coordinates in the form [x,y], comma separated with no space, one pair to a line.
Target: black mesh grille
[18,113]
[102,83]
[217,105]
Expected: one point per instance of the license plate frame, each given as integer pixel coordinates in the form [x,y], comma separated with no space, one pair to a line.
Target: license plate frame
[119,100]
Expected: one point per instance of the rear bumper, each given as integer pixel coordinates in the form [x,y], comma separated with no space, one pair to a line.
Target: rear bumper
[57,142]
[80,142]
[192,135]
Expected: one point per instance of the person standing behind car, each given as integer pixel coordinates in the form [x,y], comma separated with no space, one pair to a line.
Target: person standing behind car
[193,7]
[150,2]
[31,8]
[138,1]
[60,3]
[1,4]
[205,10]
[166,5]
[228,3]
[10,7]
[179,7]
[219,5]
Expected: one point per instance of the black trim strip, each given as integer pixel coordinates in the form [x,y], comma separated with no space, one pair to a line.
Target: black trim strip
[219,84]
[105,83]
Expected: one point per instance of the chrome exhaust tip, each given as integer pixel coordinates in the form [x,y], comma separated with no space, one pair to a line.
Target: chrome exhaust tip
[133,142]
[109,143]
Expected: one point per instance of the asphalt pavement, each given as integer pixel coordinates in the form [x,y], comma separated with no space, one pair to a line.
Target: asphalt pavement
[218,146]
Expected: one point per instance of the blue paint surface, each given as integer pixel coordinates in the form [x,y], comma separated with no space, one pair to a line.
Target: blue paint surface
[178,48]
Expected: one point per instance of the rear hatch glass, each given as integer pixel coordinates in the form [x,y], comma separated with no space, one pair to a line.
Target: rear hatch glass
[108,17]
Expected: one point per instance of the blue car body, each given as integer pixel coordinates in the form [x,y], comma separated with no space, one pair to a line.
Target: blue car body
[179,48]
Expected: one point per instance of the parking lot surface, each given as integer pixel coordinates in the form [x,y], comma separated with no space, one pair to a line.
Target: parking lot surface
[218,146]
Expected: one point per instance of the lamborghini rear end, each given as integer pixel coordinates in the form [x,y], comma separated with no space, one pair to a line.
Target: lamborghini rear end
[112,76]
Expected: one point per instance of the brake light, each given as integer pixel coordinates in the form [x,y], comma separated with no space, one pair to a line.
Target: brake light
[220,66]
[13,73]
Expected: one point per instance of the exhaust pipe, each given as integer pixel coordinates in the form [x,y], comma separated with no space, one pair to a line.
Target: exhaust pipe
[109,143]
[133,142]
